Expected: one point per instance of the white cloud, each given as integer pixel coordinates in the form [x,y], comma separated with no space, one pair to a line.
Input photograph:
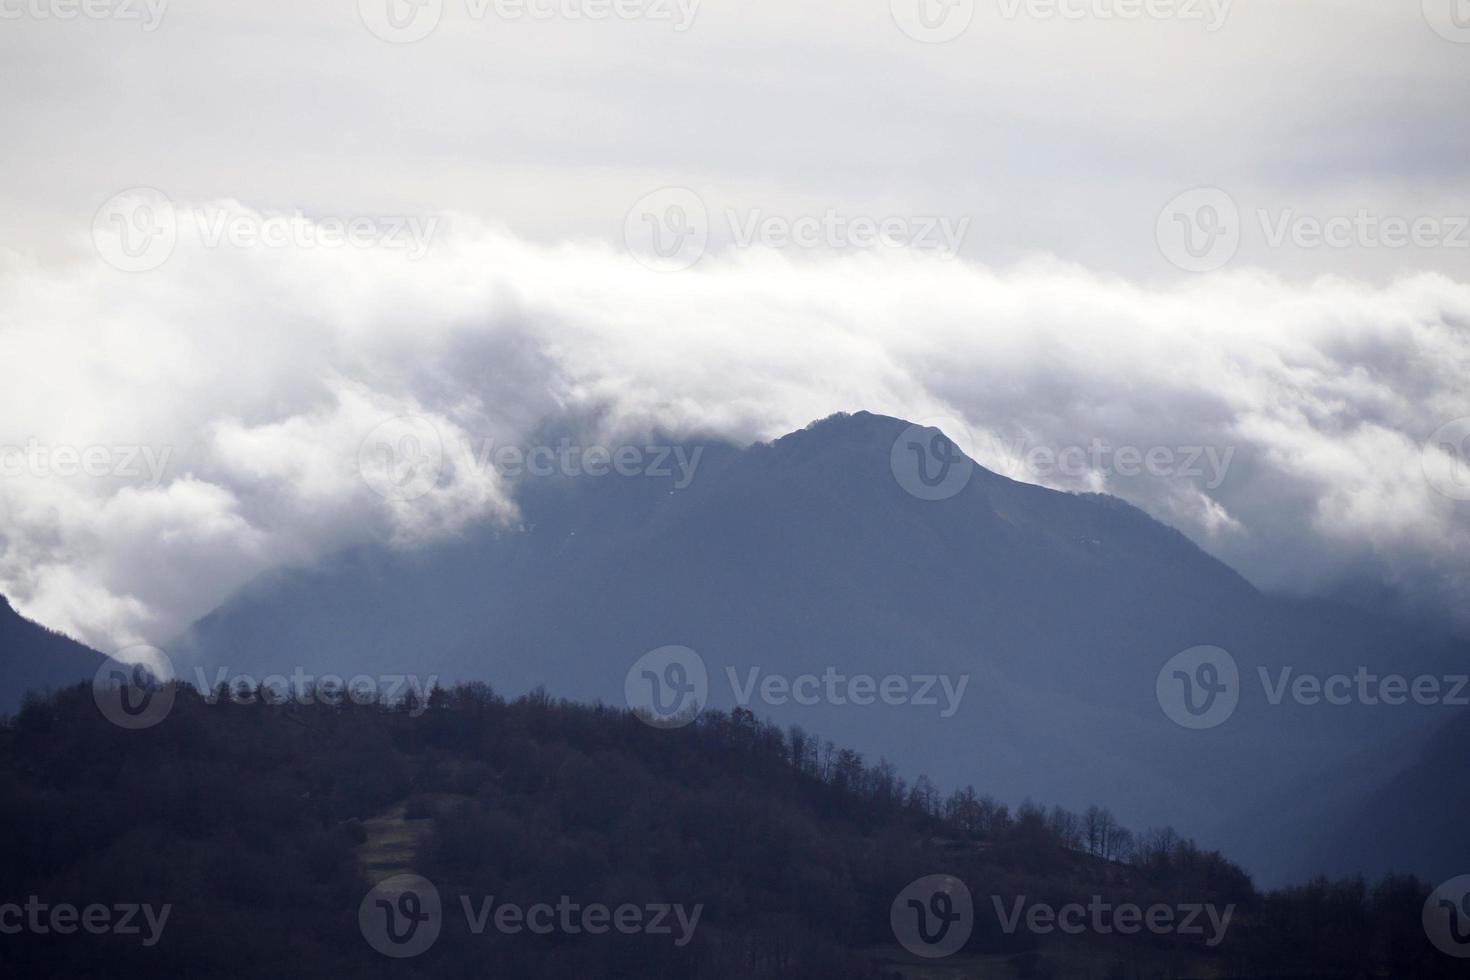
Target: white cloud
[261,372]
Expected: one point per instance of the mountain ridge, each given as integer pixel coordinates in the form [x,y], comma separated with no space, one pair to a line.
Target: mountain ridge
[35,658]
[806,553]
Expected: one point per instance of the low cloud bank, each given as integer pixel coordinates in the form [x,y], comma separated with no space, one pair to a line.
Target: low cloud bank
[169,434]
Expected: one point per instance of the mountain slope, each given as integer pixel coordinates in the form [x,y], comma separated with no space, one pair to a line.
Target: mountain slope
[806,554]
[1403,818]
[33,658]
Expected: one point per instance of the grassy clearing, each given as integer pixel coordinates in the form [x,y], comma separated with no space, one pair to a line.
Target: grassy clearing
[392,843]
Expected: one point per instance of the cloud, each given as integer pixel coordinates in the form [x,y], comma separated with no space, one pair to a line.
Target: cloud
[1286,421]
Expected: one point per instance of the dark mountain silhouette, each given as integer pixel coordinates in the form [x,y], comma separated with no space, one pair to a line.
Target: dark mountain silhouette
[33,658]
[806,554]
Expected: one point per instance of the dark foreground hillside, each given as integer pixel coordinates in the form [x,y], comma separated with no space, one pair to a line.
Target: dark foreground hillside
[247,837]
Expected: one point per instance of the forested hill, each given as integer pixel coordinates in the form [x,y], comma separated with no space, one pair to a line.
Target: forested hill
[263,826]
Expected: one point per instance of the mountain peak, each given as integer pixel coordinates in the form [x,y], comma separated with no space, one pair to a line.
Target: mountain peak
[859,426]
[864,433]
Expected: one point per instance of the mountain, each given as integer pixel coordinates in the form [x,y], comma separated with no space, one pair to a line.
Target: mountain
[806,555]
[33,658]
[1405,815]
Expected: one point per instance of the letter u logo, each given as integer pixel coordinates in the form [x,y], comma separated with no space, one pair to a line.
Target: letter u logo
[410,909]
[941,907]
[942,451]
[140,681]
[1459,924]
[1207,677]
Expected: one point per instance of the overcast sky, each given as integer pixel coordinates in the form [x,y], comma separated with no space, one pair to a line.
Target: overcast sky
[1158,223]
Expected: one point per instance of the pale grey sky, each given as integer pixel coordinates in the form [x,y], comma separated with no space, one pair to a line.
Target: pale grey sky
[1172,231]
[1063,136]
